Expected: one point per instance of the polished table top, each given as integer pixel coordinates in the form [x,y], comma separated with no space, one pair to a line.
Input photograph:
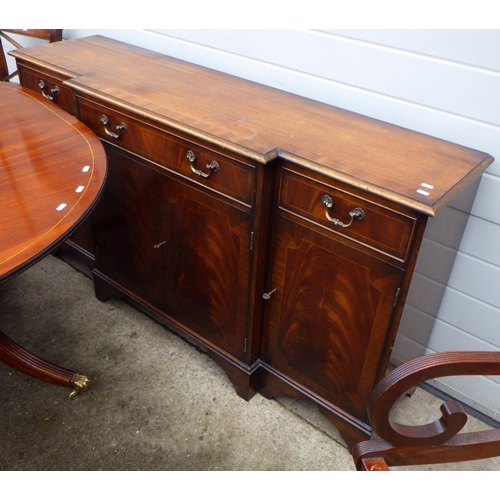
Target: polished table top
[52,170]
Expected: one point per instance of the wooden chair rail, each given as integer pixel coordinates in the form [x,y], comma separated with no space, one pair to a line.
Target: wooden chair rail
[51,35]
[437,442]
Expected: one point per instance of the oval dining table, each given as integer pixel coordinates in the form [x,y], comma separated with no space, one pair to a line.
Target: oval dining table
[52,172]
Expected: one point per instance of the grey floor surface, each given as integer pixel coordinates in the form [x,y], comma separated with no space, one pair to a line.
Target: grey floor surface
[156,402]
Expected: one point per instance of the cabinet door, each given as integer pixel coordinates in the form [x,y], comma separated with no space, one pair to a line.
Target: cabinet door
[207,264]
[328,319]
[122,225]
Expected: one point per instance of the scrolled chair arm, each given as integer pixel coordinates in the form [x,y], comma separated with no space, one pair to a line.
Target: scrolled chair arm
[438,441]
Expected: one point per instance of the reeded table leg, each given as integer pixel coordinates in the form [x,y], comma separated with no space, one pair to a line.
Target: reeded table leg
[24,361]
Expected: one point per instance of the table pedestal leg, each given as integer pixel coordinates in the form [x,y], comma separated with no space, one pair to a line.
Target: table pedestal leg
[24,361]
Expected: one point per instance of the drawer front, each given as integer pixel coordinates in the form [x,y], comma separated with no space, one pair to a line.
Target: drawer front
[50,87]
[348,215]
[216,172]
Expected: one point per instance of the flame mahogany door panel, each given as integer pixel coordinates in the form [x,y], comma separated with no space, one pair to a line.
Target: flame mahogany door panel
[205,249]
[328,319]
[123,228]
[176,248]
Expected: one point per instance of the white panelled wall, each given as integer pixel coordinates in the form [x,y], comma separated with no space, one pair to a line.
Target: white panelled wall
[445,83]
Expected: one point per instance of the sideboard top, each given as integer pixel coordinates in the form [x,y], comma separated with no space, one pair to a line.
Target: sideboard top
[262,123]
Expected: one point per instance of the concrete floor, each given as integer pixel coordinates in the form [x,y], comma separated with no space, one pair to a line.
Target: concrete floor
[156,402]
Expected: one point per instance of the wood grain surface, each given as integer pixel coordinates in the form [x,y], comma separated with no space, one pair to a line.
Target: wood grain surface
[262,123]
[52,170]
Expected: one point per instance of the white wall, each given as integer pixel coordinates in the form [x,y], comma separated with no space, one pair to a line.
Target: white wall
[440,82]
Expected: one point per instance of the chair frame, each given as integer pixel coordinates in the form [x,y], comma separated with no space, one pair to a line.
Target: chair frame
[51,35]
[437,442]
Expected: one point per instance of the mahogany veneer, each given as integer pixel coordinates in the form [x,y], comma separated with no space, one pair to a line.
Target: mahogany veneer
[227,215]
[44,152]
[52,171]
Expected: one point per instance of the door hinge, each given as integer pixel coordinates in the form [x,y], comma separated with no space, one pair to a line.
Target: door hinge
[396,297]
[251,240]
[245,345]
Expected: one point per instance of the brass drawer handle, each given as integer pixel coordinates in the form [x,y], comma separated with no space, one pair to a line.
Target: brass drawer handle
[213,166]
[54,92]
[356,213]
[121,128]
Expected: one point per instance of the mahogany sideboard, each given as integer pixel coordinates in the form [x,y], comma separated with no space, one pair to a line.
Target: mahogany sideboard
[277,233]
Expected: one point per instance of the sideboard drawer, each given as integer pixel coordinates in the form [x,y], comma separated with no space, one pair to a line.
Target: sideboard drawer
[216,172]
[225,175]
[50,87]
[336,209]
